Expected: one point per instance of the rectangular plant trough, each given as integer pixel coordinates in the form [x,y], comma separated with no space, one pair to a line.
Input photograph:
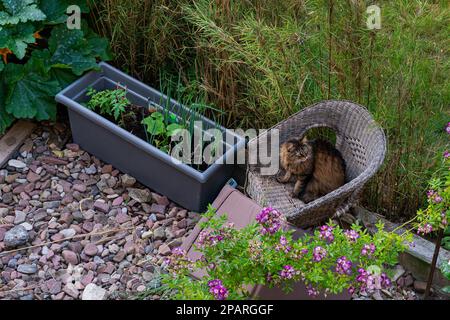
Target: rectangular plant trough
[180,182]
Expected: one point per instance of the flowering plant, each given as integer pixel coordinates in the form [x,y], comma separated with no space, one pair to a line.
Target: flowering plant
[266,253]
[437,213]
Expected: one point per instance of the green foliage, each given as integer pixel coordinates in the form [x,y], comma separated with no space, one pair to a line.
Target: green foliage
[38,72]
[55,11]
[17,38]
[437,213]
[30,92]
[76,49]
[249,257]
[108,102]
[15,11]
[161,129]
[445,268]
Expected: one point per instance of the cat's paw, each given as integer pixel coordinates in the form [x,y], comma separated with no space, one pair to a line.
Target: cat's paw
[280,179]
[307,199]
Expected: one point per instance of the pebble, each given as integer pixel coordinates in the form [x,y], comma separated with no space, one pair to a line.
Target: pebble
[53,286]
[122,218]
[101,206]
[117,201]
[71,290]
[33,177]
[16,164]
[91,170]
[159,234]
[164,249]
[79,187]
[68,233]
[127,181]
[19,217]
[3,212]
[27,268]
[16,237]
[119,256]
[27,226]
[93,292]
[90,249]
[140,195]
[70,257]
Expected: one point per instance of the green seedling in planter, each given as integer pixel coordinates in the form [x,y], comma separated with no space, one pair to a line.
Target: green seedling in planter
[108,102]
[161,129]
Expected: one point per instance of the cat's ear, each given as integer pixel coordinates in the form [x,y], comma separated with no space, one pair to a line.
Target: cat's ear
[304,139]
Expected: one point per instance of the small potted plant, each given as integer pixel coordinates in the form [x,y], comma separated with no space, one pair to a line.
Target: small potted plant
[131,125]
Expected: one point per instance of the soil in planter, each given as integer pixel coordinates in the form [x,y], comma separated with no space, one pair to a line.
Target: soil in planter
[131,122]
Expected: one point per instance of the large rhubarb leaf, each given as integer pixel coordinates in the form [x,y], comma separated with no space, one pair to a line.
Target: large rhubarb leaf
[99,46]
[59,72]
[15,11]
[63,76]
[5,118]
[1,65]
[56,10]
[73,49]
[16,38]
[29,92]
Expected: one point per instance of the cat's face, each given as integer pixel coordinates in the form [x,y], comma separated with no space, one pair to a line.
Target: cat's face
[297,148]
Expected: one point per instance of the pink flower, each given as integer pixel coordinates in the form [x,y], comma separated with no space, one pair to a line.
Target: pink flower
[434,196]
[178,251]
[343,265]
[369,282]
[283,245]
[446,154]
[312,291]
[270,220]
[368,250]
[326,233]
[425,229]
[288,272]
[217,289]
[319,253]
[351,235]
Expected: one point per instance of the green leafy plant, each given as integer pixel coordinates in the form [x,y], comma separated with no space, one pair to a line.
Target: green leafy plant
[108,102]
[41,56]
[161,129]
[437,213]
[265,253]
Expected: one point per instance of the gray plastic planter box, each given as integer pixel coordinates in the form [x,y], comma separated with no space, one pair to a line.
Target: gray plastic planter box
[180,182]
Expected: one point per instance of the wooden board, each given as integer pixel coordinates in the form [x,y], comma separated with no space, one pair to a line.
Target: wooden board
[13,139]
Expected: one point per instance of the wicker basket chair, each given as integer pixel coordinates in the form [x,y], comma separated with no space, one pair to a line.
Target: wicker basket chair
[361,142]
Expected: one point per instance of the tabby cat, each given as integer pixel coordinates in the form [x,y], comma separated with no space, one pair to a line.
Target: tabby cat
[317,166]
